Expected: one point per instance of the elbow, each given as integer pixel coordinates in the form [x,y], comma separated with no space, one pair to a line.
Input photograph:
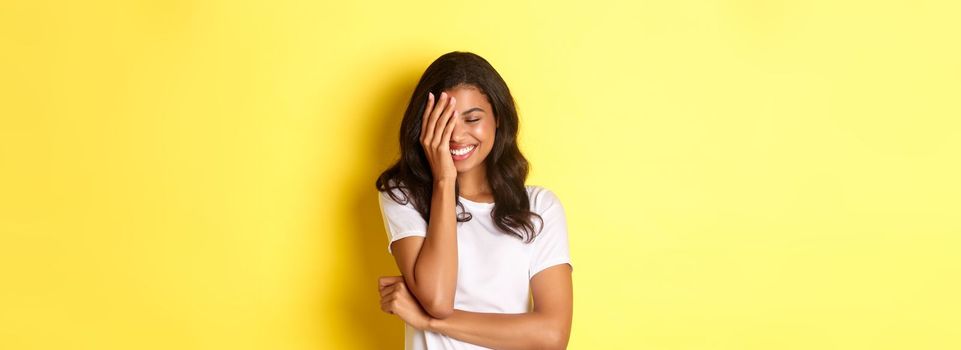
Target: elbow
[438,303]
[554,339]
[440,309]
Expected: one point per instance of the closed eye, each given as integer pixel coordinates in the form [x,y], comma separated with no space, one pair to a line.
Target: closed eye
[472,120]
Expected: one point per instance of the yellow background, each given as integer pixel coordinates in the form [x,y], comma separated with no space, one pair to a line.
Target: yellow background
[736,174]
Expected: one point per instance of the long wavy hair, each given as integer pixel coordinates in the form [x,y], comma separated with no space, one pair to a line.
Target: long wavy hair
[507,168]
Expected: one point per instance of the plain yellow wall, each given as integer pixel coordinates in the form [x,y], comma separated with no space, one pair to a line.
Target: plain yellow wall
[736,174]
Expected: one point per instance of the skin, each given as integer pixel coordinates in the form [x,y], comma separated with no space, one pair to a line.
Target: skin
[476,126]
[423,295]
[429,264]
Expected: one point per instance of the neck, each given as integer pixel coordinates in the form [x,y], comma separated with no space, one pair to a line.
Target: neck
[474,182]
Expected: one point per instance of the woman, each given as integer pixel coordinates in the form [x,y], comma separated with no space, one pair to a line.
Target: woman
[472,242]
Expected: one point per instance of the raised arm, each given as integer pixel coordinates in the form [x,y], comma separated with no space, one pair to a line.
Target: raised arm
[429,264]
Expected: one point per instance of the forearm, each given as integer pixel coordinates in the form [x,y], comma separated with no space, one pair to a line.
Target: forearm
[530,330]
[435,270]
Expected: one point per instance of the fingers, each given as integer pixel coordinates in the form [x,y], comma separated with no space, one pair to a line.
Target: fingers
[389,297]
[427,111]
[435,113]
[391,289]
[387,305]
[442,126]
[385,281]
[449,129]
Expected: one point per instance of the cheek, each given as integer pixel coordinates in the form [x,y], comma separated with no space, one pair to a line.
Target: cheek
[485,133]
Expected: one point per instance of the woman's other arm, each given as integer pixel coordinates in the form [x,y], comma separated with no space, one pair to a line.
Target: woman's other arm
[548,326]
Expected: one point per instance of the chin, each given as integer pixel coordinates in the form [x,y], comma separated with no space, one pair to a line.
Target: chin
[470,164]
[463,168]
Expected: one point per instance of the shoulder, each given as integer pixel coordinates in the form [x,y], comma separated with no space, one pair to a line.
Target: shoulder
[541,198]
[394,193]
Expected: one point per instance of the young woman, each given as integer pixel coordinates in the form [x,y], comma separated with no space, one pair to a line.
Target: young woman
[473,243]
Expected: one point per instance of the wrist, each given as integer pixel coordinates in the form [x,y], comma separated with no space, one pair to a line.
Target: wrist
[445,183]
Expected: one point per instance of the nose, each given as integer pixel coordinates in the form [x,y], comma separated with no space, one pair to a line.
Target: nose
[458,133]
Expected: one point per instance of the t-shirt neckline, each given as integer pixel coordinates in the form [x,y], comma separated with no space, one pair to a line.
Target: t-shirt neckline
[475,204]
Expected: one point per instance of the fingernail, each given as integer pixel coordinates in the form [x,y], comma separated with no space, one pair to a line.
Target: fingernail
[430,96]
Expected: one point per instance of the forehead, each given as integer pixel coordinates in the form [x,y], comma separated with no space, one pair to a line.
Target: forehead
[469,96]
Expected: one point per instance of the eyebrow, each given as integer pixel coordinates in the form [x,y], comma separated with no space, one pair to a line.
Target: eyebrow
[472,110]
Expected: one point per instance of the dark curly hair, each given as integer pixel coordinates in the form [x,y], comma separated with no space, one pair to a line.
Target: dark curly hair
[507,168]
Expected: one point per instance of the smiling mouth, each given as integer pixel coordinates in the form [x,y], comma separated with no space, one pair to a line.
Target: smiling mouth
[462,151]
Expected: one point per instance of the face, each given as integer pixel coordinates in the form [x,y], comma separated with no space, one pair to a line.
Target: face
[474,129]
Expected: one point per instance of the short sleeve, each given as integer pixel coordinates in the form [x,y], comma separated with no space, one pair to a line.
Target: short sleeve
[400,220]
[550,247]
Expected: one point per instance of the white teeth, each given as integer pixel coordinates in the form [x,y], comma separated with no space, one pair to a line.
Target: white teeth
[462,151]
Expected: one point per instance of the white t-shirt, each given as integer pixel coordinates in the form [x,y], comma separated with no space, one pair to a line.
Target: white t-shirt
[493,268]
